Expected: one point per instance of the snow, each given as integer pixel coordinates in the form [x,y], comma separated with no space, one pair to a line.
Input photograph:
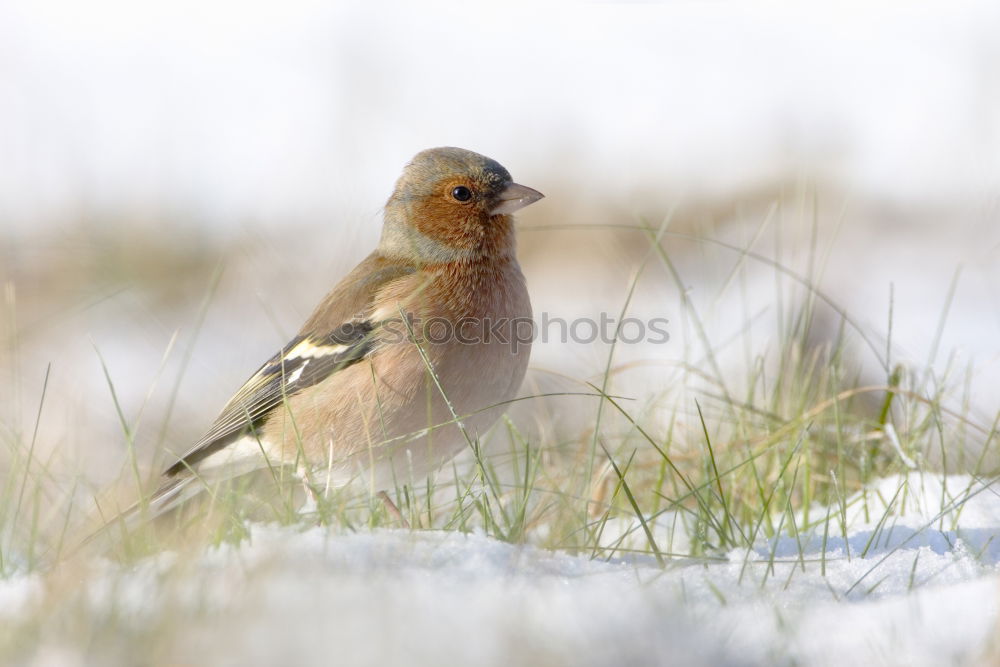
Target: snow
[925,591]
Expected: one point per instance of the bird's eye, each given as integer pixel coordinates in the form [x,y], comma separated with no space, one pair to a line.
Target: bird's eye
[461,193]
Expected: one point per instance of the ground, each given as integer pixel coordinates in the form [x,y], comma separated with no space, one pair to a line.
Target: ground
[914,584]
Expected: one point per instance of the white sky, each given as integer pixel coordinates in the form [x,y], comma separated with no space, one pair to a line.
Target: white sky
[237,110]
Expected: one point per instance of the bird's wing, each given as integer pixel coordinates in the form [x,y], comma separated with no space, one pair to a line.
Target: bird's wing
[319,351]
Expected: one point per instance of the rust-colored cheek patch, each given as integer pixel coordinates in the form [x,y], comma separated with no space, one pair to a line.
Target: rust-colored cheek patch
[453,224]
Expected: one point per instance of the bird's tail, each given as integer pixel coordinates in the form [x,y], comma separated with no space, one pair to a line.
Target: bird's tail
[172,493]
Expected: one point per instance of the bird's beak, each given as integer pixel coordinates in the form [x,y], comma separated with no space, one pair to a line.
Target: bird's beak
[514,197]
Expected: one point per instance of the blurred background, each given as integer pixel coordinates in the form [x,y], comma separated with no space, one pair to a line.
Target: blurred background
[181,182]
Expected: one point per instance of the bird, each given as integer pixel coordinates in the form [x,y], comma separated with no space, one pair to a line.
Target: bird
[410,358]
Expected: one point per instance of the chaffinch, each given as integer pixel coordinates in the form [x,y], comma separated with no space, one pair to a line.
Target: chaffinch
[409,358]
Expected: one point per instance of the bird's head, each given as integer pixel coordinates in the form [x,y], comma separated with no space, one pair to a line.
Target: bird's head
[452,204]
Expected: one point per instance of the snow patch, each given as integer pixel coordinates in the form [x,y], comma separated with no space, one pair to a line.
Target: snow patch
[916,582]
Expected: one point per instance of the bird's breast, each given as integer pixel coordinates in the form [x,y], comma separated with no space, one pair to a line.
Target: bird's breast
[483,331]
